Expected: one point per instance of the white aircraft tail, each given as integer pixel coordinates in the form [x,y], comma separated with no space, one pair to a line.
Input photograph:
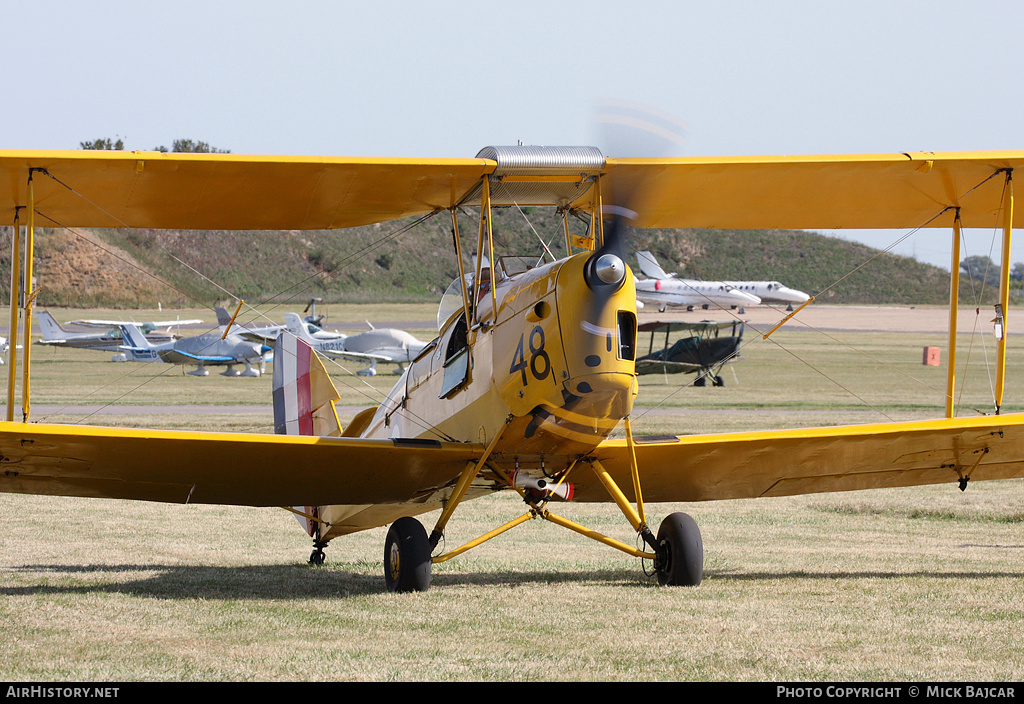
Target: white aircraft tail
[50,327]
[135,344]
[297,327]
[650,267]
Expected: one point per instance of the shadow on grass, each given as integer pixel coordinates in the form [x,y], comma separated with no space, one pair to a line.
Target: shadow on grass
[300,581]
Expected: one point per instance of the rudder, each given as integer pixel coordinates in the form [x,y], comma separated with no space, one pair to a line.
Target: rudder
[304,395]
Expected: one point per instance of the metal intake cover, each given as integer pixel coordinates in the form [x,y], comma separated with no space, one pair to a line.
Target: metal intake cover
[563,174]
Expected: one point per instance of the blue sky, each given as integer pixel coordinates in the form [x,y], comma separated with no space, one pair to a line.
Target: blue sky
[448,78]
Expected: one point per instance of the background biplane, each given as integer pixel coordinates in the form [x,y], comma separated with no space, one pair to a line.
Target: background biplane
[531,370]
[701,349]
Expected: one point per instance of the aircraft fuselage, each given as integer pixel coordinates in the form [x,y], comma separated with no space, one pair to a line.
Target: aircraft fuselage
[556,362]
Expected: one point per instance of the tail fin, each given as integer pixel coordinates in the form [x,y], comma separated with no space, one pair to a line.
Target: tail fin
[133,337]
[294,324]
[223,317]
[304,394]
[650,267]
[50,327]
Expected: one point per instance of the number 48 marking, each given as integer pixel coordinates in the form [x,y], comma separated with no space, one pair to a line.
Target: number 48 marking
[539,364]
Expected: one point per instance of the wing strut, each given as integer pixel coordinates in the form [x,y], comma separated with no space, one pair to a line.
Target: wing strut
[954,302]
[1004,288]
[462,271]
[637,517]
[22,295]
[29,295]
[468,475]
[12,363]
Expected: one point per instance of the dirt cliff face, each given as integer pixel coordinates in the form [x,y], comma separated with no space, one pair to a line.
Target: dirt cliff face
[77,269]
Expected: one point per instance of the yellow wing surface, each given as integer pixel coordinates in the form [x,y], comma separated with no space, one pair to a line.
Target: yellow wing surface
[223,468]
[225,191]
[261,470]
[238,192]
[812,460]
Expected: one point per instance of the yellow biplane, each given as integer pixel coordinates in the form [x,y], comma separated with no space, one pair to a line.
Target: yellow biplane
[533,367]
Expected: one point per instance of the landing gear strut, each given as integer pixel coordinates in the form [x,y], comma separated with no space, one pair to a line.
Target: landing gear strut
[317,557]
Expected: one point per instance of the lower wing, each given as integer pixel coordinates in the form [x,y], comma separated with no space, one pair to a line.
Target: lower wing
[224,468]
[789,462]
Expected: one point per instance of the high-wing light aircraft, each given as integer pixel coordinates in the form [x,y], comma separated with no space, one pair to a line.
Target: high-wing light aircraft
[765,291]
[531,370]
[110,341]
[386,345]
[702,349]
[667,290]
[211,348]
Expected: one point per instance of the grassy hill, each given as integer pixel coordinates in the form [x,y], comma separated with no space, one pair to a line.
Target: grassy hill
[412,261]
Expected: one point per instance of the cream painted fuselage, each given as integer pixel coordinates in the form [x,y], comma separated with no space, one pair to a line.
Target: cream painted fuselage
[545,379]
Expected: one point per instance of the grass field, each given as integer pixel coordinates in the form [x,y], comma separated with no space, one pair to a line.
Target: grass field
[918,584]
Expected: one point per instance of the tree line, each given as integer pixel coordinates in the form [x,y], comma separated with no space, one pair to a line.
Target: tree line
[178,145]
[983,270]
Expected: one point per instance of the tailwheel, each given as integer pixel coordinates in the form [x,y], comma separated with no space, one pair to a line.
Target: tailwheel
[680,551]
[407,557]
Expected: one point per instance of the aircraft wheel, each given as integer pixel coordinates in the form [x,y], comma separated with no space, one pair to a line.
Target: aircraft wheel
[718,381]
[681,561]
[407,557]
[700,381]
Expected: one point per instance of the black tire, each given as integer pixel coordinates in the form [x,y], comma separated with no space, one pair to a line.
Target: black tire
[681,561]
[719,381]
[700,381]
[407,557]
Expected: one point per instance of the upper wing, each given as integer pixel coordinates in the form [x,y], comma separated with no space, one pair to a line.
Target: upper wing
[228,191]
[780,463]
[223,468]
[813,192]
[92,323]
[236,192]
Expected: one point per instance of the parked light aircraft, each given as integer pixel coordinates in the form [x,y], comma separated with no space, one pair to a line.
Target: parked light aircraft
[702,349]
[532,370]
[210,348]
[110,341]
[667,290]
[386,345]
[766,291]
